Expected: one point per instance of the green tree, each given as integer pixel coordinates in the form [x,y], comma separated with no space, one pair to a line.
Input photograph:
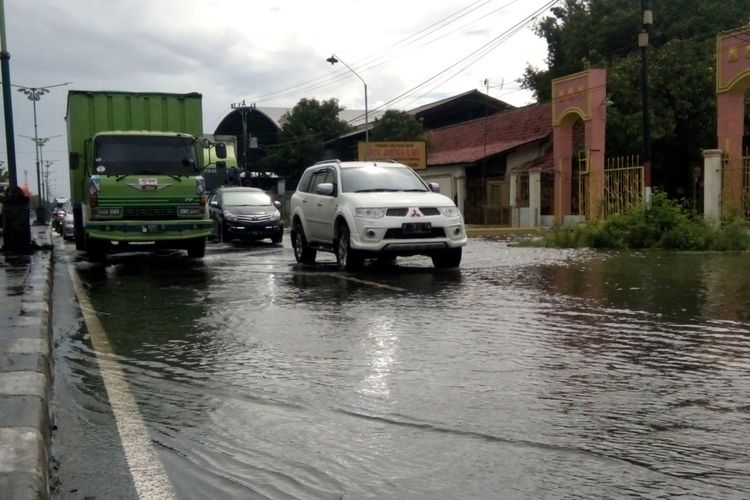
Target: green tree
[397,125]
[304,131]
[582,34]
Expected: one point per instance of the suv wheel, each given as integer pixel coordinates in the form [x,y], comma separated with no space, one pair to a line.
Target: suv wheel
[346,258]
[302,253]
[447,258]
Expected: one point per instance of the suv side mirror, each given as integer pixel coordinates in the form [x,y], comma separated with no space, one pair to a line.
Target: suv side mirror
[434,187]
[324,188]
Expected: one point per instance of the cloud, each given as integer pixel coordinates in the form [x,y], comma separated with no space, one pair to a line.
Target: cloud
[273,55]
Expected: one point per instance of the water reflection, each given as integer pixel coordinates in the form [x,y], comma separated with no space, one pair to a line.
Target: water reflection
[526,373]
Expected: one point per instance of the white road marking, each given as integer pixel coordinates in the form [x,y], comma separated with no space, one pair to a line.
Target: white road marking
[149,477]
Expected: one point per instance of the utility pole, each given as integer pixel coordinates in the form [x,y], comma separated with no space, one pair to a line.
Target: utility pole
[16,226]
[244,109]
[647,20]
[48,198]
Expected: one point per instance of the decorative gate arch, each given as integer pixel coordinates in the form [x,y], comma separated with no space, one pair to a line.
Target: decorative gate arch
[580,95]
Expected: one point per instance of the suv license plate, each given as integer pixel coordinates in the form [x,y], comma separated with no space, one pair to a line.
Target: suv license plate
[416,227]
[152,228]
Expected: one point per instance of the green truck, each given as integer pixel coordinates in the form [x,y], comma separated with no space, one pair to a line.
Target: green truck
[136,163]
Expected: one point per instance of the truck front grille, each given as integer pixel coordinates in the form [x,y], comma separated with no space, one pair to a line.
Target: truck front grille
[150,213]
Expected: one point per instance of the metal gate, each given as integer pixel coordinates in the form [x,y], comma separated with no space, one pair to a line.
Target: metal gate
[735,182]
[623,185]
[580,191]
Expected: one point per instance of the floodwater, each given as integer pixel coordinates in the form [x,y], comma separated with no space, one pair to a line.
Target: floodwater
[528,373]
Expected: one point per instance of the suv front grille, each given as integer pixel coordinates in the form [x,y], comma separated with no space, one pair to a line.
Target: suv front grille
[401,212]
[395,233]
[255,218]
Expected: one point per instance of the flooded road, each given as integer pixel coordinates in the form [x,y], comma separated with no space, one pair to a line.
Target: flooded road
[528,373]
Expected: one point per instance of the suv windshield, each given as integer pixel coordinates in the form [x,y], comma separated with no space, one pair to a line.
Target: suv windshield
[373,178]
[246,198]
[144,154]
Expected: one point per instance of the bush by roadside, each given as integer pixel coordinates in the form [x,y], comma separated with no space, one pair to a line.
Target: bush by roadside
[664,224]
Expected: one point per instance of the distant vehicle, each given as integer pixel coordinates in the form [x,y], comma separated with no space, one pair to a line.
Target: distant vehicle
[67,228]
[135,171]
[364,210]
[62,206]
[245,213]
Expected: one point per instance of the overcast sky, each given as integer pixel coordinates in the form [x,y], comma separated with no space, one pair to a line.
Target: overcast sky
[269,53]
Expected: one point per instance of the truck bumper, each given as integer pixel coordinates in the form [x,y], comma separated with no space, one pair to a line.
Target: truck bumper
[152,230]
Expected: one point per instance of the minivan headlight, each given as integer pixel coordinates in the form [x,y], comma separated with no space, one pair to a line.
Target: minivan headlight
[449,211]
[370,213]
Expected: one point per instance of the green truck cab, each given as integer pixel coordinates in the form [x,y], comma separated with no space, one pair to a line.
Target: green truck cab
[136,163]
[220,160]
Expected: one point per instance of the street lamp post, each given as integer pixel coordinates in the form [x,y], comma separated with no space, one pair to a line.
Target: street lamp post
[333,60]
[39,143]
[34,94]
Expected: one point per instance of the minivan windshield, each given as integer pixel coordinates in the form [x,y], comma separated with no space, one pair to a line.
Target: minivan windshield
[246,198]
[144,154]
[373,178]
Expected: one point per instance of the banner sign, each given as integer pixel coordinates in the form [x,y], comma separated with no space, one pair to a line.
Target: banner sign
[408,153]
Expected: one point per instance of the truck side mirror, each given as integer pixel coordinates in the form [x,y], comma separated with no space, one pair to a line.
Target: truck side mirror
[73,160]
[221,150]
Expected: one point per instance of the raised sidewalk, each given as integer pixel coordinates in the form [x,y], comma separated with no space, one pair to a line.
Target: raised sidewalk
[26,369]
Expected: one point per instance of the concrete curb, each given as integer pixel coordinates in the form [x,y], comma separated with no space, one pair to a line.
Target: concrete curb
[26,377]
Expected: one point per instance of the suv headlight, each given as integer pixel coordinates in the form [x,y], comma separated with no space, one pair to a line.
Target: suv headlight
[370,213]
[449,211]
[276,215]
[229,216]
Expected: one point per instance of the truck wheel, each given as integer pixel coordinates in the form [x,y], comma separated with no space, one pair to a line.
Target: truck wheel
[447,258]
[78,232]
[196,248]
[96,250]
[302,253]
[347,259]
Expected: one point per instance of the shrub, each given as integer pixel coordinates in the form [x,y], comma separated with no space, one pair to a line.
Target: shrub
[664,224]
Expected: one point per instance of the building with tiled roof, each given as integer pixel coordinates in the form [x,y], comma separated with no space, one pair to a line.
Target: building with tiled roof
[473,161]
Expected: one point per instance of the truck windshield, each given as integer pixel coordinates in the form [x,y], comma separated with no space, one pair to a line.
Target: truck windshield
[144,154]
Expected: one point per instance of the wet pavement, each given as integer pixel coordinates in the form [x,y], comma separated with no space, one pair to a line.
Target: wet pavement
[25,368]
[527,373]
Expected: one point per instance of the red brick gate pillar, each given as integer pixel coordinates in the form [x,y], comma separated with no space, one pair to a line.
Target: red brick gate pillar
[580,95]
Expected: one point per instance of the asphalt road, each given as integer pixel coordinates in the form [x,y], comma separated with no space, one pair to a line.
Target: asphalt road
[527,373]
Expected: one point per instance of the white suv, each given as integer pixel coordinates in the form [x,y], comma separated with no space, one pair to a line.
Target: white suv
[361,210]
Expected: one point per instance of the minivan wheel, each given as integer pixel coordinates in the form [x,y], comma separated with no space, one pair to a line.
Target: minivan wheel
[302,252]
[347,258]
